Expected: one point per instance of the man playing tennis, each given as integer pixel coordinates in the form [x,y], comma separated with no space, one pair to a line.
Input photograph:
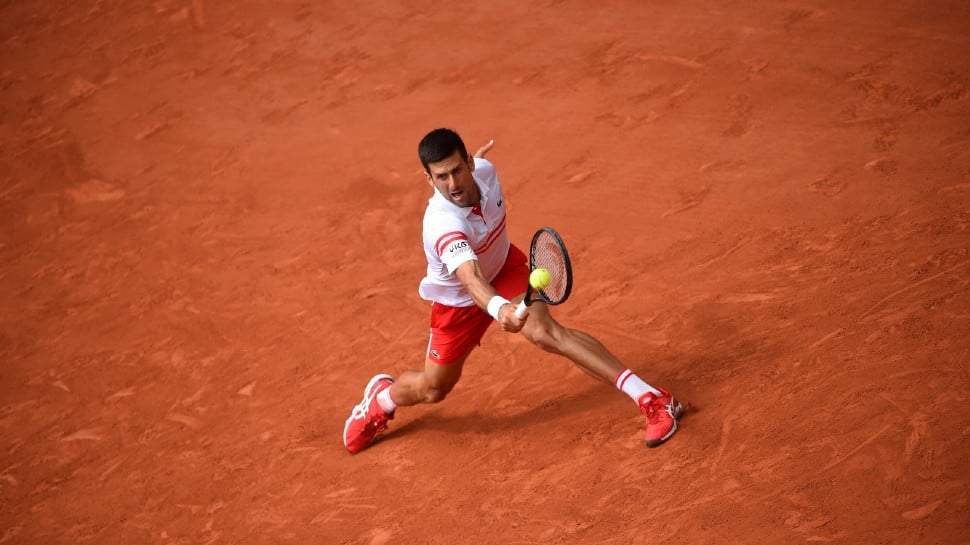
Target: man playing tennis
[474,274]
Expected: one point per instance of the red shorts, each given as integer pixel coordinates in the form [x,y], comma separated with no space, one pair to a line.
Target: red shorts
[456,330]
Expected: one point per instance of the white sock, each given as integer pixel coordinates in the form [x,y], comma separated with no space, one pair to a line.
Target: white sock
[632,386]
[385,401]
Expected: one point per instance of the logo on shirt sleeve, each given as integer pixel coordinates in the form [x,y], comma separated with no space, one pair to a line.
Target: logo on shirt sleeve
[452,243]
[457,247]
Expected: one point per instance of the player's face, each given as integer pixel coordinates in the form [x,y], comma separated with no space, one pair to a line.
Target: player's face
[452,177]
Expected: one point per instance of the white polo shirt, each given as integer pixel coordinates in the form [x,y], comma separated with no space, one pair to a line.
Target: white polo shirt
[454,235]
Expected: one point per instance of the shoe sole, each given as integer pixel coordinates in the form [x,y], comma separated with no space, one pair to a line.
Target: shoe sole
[657,442]
[368,395]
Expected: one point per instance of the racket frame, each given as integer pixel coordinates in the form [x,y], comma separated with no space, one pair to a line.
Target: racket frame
[522,310]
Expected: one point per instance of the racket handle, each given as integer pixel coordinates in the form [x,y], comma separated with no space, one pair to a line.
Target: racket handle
[522,310]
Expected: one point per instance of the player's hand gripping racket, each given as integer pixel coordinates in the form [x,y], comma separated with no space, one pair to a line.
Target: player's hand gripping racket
[550,274]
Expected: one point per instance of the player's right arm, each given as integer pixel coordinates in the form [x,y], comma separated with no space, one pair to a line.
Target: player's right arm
[446,238]
[470,275]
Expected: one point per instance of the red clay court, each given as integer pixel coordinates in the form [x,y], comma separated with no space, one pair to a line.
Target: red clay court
[210,221]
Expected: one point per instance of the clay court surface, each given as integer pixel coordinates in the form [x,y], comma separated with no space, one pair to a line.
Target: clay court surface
[210,240]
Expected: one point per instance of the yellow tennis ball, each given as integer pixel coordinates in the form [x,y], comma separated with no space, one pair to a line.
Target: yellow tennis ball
[539,279]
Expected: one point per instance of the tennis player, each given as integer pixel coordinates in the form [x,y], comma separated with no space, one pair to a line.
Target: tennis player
[474,277]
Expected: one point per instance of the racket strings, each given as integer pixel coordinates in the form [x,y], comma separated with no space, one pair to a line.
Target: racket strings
[547,254]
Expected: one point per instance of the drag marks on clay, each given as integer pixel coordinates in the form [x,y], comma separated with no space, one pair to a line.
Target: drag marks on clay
[693,192]
[726,426]
[495,391]
[809,527]
[740,114]
[626,119]
[247,390]
[803,266]
[795,18]
[109,467]
[9,479]
[922,512]
[886,137]
[959,187]
[190,421]
[919,422]
[669,59]
[882,165]
[349,505]
[579,170]
[379,536]
[729,490]
[831,184]
[9,533]
[621,67]
[90,434]
[877,83]
[750,297]
[952,88]
[755,68]
[741,241]
[733,167]
[530,77]
[581,177]
[94,191]
[689,198]
[278,115]
[867,315]
[842,458]
[154,129]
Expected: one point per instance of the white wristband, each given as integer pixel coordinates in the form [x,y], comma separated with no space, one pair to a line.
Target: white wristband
[496,303]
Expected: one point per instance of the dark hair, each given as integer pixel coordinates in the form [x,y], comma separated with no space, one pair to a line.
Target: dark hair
[439,144]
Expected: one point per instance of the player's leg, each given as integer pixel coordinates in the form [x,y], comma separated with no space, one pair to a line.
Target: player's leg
[384,394]
[589,354]
[430,385]
[455,332]
[583,349]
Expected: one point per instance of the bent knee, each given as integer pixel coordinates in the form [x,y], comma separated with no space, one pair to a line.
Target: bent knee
[436,395]
[436,391]
[543,338]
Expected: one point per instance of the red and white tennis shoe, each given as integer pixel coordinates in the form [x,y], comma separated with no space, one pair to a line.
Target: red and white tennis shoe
[662,413]
[367,419]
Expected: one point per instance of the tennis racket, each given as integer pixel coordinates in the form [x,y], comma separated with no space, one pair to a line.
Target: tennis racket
[548,252]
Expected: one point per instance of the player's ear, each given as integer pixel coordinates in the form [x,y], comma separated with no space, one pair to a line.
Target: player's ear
[471,163]
[427,176]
